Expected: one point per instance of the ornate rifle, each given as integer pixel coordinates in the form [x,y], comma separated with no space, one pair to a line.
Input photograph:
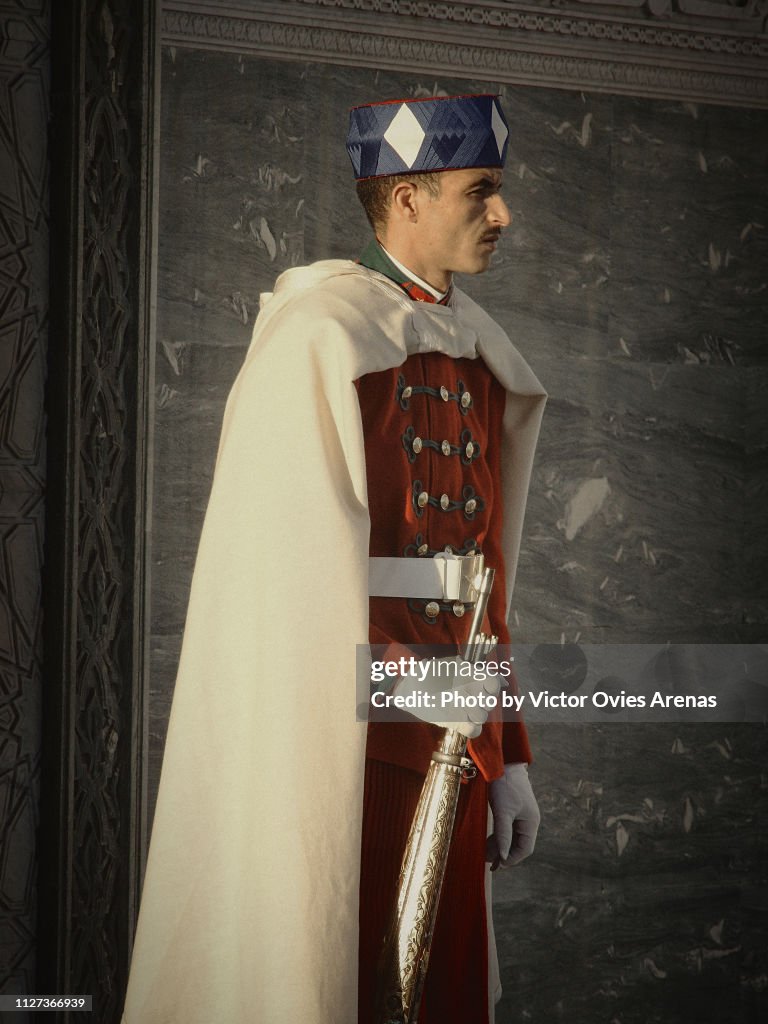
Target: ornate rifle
[405,956]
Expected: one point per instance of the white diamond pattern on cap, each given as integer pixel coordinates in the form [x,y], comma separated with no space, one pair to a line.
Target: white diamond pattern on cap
[500,130]
[405,135]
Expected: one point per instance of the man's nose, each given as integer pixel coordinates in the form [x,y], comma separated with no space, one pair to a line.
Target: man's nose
[498,212]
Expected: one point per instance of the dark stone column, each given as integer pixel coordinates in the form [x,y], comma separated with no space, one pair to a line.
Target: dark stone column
[92,823]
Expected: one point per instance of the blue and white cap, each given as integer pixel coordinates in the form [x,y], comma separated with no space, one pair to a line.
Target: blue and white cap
[439,133]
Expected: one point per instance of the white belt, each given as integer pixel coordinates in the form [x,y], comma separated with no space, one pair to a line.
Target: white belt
[442,578]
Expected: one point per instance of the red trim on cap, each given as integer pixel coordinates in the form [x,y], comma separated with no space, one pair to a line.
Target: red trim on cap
[426,99]
[437,170]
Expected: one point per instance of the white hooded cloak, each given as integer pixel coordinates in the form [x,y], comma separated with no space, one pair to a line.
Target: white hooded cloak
[250,904]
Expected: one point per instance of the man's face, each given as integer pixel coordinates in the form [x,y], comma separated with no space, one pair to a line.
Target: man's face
[458,230]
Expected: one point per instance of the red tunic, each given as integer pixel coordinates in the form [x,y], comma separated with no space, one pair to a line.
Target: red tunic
[406,495]
[424,496]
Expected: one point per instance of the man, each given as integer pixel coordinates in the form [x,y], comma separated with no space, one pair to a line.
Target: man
[254,883]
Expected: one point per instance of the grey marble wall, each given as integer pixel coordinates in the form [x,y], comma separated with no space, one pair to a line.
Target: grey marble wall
[634,278]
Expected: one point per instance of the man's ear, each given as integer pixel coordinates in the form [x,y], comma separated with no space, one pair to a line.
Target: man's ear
[405,201]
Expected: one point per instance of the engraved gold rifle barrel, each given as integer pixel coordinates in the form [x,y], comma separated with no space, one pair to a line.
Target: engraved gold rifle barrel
[405,955]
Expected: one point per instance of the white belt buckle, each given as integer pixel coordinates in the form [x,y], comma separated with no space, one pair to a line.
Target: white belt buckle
[461,576]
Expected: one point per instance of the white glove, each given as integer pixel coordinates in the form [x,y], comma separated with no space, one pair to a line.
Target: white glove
[448,691]
[516,818]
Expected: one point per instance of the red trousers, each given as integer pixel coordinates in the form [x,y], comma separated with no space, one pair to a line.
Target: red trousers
[456,988]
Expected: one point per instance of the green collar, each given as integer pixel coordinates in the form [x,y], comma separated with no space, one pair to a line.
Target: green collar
[374,257]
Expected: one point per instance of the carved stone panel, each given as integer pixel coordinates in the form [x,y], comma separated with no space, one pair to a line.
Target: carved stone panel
[686,49]
[24,98]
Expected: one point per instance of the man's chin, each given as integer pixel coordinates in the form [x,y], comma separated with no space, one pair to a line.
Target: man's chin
[478,266]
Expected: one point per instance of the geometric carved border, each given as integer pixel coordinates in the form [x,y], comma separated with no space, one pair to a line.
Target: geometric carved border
[101,298]
[694,50]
